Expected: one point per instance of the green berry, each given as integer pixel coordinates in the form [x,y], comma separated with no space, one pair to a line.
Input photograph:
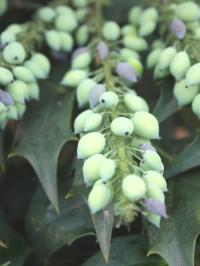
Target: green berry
[7,37]
[6,76]
[21,109]
[149,15]
[15,28]
[80,120]
[82,35]
[23,74]
[133,187]
[126,54]
[66,23]
[160,73]
[166,57]
[128,30]
[187,11]
[146,125]
[134,15]
[152,59]
[107,169]
[14,53]
[89,144]
[154,192]
[73,78]
[135,43]
[83,91]
[82,60]
[108,99]
[153,219]
[46,14]
[147,29]
[158,44]
[66,41]
[53,40]
[80,3]
[136,142]
[136,65]
[34,91]
[192,75]
[111,31]
[64,10]
[196,105]
[183,94]
[156,179]
[81,14]
[135,103]
[18,90]
[12,112]
[153,160]
[35,68]
[93,122]
[179,65]
[43,61]
[122,126]
[3,6]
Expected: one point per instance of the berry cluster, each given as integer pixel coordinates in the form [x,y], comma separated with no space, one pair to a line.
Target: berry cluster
[120,163]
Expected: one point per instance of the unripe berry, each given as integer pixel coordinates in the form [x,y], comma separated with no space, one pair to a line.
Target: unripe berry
[14,53]
[156,179]
[166,57]
[80,120]
[196,105]
[34,91]
[3,6]
[111,31]
[179,65]
[53,40]
[146,125]
[12,112]
[127,53]
[147,29]
[161,73]
[7,37]
[83,90]
[188,11]
[35,68]
[21,109]
[135,43]
[46,14]
[128,30]
[154,219]
[122,126]
[93,122]
[134,15]
[133,187]
[23,74]
[80,3]
[95,94]
[153,57]
[158,44]
[18,90]
[73,78]
[82,60]
[135,103]
[149,15]
[15,28]
[99,197]
[91,168]
[136,65]
[89,144]
[43,61]
[192,75]
[81,14]
[66,41]
[66,23]
[154,192]
[184,95]
[108,99]
[153,160]
[107,169]
[6,76]
[82,35]
[64,10]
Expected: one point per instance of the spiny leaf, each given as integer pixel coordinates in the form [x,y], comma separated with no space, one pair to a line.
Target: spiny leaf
[45,129]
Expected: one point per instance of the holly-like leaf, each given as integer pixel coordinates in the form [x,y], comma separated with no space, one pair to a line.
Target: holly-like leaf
[175,240]
[45,128]
[187,159]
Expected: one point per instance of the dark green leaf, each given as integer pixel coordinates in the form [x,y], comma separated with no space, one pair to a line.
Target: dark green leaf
[175,240]
[187,159]
[46,127]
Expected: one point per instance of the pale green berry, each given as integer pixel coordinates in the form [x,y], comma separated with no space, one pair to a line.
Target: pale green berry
[82,35]
[18,91]
[6,76]
[7,37]
[46,14]
[144,166]
[156,179]
[127,54]
[158,44]
[134,15]
[192,75]
[43,61]
[3,6]
[36,69]
[147,29]
[179,65]
[89,144]
[133,187]
[82,60]
[14,53]
[111,31]
[135,43]
[122,126]
[153,160]
[12,112]
[73,78]
[15,28]
[152,59]
[135,103]
[154,192]
[66,41]
[23,74]
[21,109]
[128,29]
[66,23]
[34,91]
[153,219]
[149,15]
[81,14]
[166,57]
[136,142]
[64,10]
[196,105]
[93,122]
[53,40]
[107,169]
[136,65]
[91,168]
[80,120]
[160,73]
[3,108]
[183,94]
[188,11]
[100,196]
[83,91]
[146,125]
[108,99]
[80,3]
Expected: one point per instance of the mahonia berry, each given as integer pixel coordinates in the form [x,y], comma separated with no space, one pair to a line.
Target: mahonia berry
[107,169]
[122,126]
[18,90]
[7,37]
[179,65]
[80,120]
[74,77]
[156,179]
[46,14]
[153,57]
[135,43]
[82,60]
[196,105]
[166,57]
[188,11]
[135,103]
[108,99]
[14,53]
[153,160]
[133,187]
[23,73]
[111,31]
[6,76]
[192,75]
[93,122]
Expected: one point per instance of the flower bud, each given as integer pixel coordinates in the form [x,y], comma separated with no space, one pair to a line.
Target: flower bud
[146,125]
[23,74]
[35,68]
[149,15]
[107,169]
[74,77]
[147,29]
[91,168]
[188,11]
[133,187]
[178,28]
[134,15]
[111,31]
[95,94]
[136,65]
[46,14]
[154,219]
[153,57]
[135,43]
[83,91]
[21,109]
[14,53]
[93,122]
[156,179]
[154,192]
[108,99]
[18,90]
[89,144]
[153,160]
[127,53]
[183,94]
[156,207]
[166,57]
[43,61]
[125,71]
[99,197]
[102,50]
[122,126]
[80,120]
[196,105]
[6,76]
[135,103]
[53,40]
[179,65]
[192,75]
[34,91]
[7,37]
[82,35]
[81,61]
[5,98]
[66,23]
[12,112]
